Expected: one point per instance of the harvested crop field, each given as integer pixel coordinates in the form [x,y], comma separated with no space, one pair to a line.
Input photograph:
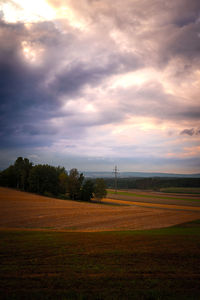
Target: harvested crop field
[156,197]
[25,210]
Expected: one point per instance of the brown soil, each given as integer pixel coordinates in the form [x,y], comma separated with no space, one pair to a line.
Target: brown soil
[25,210]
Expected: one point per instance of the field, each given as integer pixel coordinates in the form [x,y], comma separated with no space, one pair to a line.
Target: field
[178,198]
[181,190]
[56,249]
[159,264]
[25,210]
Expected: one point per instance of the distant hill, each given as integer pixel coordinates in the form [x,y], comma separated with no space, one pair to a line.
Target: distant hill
[138,175]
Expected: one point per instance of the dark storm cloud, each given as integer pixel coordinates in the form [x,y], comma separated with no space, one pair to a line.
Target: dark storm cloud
[20,83]
[185,42]
[192,112]
[171,28]
[190,132]
[24,100]
[70,80]
[25,97]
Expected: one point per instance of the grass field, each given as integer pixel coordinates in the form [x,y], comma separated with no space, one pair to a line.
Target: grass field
[153,195]
[156,264]
[181,190]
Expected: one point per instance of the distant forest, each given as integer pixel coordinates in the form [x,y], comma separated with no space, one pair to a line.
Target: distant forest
[152,183]
[51,181]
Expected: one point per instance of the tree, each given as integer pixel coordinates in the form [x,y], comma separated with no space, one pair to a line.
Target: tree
[63,181]
[16,175]
[100,189]
[22,168]
[44,179]
[75,181]
[27,166]
[8,177]
[87,190]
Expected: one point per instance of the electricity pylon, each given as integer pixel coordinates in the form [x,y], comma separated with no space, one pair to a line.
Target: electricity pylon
[115,171]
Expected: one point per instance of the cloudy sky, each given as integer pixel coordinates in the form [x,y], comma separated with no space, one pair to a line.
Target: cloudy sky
[94,83]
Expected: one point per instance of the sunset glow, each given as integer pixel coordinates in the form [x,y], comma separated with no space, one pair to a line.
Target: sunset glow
[27,11]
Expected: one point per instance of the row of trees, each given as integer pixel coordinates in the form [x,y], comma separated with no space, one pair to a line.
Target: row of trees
[51,181]
[152,183]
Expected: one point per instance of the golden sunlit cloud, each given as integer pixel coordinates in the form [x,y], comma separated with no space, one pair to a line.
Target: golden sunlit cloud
[79,106]
[137,78]
[133,128]
[68,14]
[144,76]
[39,10]
[70,11]
[27,11]
[32,53]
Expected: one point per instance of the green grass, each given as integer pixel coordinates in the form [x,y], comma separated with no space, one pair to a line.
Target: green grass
[155,264]
[149,196]
[181,190]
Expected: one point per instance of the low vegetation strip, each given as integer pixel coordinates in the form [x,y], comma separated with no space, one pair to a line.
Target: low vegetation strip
[181,190]
[139,195]
[152,205]
[157,264]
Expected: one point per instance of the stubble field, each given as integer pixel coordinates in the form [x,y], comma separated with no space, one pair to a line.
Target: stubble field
[25,210]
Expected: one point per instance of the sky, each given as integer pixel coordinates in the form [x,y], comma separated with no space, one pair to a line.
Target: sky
[92,84]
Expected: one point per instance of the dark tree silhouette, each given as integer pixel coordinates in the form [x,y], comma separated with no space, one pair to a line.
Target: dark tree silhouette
[100,189]
[87,190]
[75,181]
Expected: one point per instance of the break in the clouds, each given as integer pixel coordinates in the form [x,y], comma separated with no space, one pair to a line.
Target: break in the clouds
[90,84]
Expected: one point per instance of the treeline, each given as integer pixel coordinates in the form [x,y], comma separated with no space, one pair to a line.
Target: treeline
[51,181]
[154,183]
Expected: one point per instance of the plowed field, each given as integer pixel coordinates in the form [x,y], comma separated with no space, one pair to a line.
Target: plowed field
[25,210]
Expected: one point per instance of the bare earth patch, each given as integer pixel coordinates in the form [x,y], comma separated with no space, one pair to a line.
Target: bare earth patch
[25,210]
